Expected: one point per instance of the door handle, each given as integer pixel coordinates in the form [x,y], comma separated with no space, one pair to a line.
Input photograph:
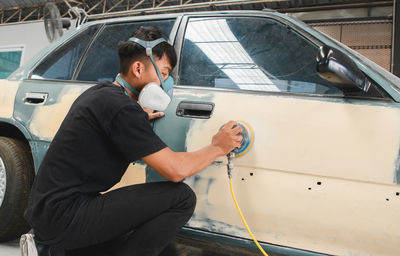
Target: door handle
[195,109]
[34,98]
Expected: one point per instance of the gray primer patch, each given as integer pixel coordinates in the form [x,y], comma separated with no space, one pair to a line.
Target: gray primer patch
[397,172]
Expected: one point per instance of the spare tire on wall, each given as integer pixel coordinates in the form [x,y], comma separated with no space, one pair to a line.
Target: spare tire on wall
[16,178]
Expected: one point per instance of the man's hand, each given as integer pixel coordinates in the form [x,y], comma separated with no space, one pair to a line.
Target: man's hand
[151,113]
[227,138]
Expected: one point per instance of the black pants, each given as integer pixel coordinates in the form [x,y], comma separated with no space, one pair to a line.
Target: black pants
[135,220]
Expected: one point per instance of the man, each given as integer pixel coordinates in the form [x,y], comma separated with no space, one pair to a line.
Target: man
[103,132]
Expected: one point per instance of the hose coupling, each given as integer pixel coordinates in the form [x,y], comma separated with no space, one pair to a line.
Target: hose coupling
[230,165]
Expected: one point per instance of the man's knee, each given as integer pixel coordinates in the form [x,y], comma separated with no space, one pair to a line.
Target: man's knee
[189,197]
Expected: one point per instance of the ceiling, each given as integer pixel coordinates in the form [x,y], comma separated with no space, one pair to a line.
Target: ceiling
[14,3]
[24,10]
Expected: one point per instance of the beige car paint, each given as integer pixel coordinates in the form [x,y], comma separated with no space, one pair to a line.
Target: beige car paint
[322,174]
[135,174]
[46,119]
[8,91]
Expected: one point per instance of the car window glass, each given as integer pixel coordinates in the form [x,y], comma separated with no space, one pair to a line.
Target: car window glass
[102,62]
[62,63]
[10,60]
[249,54]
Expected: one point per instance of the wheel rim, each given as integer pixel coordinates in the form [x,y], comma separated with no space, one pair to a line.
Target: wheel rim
[3,181]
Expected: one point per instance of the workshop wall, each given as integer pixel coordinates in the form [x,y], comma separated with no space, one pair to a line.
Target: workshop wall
[18,43]
[373,39]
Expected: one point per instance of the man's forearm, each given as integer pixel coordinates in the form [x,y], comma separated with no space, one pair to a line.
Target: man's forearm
[175,166]
[191,163]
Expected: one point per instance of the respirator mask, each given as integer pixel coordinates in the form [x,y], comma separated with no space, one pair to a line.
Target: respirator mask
[152,95]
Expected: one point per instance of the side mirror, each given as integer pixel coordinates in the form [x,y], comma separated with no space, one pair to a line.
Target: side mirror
[336,67]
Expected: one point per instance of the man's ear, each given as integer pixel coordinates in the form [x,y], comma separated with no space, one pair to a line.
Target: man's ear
[137,68]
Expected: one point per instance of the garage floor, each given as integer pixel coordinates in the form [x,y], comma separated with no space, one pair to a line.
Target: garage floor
[10,248]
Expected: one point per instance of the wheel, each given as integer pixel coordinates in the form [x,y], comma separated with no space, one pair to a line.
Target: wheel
[16,178]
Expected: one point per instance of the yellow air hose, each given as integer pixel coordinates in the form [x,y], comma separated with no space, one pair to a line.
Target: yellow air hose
[244,221]
[247,142]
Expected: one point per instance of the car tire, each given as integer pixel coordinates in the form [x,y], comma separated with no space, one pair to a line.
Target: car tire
[16,178]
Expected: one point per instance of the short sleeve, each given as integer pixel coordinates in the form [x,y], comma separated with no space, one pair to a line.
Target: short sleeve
[132,134]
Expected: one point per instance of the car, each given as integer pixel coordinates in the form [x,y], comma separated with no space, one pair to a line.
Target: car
[321,171]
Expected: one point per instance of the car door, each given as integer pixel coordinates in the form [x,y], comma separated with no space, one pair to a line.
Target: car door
[44,98]
[322,172]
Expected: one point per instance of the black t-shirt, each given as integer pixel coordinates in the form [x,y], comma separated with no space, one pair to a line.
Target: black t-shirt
[103,132]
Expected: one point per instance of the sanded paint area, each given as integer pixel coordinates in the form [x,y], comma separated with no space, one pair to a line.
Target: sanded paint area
[317,177]
[8,90]
[358,142]
[46,119]
[135,174]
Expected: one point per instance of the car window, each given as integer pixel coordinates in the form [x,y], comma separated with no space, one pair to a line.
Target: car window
[10,60]
[249,54]
[102,62]
[62,63]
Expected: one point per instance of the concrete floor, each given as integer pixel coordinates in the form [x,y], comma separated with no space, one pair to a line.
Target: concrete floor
[10,248]
[177,247]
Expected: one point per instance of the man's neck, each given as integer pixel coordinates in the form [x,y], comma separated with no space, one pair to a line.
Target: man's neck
[131,93]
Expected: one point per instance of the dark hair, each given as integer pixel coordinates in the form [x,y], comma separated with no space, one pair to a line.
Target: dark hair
[130,51]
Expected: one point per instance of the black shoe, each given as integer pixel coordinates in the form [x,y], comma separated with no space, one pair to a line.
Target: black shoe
[42,249]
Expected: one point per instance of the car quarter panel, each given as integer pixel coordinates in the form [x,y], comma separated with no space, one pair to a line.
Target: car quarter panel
[8,90]
[42,120]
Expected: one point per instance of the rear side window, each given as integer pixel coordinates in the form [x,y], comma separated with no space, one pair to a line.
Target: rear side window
[62,63]
[102,62]
[250,53]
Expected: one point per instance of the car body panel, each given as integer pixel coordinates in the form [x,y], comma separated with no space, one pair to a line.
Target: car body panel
[135,174]
[42,120]
[36,117]
[276,182]
[8,91]
[7,96]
